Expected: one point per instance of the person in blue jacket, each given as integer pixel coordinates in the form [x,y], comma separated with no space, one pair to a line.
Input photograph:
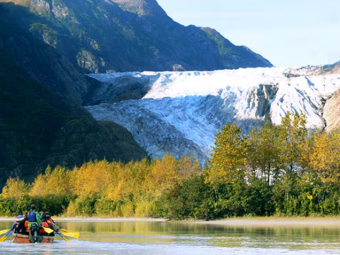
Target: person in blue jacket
[33,217]
[19,225]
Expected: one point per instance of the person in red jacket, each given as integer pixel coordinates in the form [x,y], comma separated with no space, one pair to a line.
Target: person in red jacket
[47,220]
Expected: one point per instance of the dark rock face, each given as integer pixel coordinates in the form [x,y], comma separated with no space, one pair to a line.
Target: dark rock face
[40,61]
[129,35]
[39,127]
[125,87]
[260,99]
[332,69]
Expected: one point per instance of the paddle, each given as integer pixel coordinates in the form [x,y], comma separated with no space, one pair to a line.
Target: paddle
[14,238]
[69,234]
[48,230]
[63,237]
[4,231]
[4,238]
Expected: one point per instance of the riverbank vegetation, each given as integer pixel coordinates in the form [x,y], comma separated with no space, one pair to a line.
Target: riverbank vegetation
[277,170]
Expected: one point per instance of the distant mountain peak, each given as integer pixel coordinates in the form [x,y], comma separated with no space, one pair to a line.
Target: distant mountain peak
[128,35]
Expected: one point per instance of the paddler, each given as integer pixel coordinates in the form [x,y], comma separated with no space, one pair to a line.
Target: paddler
[51,222]
[33,217]
[19,225]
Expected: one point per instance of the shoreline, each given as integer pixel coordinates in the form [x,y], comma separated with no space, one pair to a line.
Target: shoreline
[275,222]
[94,219]
[232,222]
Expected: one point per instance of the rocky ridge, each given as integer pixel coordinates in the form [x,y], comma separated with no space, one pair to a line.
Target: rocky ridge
[134,35]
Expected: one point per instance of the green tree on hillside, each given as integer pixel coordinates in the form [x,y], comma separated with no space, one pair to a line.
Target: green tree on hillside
[228,159]
[292,135]
[263,155]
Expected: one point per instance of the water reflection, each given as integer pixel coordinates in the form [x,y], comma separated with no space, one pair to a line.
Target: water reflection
[171,234]
[198,234]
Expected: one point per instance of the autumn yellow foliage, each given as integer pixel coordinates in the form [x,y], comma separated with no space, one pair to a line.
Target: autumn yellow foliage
[275,170]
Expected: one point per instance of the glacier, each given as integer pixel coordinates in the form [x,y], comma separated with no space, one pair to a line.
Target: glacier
[179,113]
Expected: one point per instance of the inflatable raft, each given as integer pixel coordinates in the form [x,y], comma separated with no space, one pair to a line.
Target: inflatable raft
[19,238]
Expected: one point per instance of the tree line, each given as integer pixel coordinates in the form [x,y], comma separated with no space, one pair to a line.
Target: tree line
[282,170]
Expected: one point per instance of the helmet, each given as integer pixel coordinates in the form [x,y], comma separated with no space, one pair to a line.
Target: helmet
[47,215]
[19,218]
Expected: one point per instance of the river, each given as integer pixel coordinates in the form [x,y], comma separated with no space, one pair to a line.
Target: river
[170,238]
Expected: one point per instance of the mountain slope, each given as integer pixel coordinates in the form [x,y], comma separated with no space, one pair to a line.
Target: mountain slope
[180,112]
[134,35]
[332,69]
[39,127]
[46,46]
[43,63]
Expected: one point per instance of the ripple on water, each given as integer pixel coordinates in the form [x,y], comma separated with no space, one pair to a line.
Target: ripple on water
[102,248]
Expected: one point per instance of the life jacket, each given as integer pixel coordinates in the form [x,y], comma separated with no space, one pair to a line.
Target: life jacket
[32,216]
[49,221]
[42,231]
[26,226]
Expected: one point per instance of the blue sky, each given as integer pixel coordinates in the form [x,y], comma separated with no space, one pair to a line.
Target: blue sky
[286,32]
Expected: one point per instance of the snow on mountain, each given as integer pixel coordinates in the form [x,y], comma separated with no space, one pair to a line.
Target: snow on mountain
[179,113]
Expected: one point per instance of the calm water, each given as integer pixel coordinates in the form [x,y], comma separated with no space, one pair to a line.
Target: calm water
[164,238]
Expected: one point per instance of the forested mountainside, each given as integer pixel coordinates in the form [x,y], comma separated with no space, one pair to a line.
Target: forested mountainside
[39,127]
[127,35]
[40,61]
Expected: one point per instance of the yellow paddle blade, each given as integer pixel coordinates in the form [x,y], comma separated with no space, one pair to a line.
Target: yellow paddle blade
[3,239]
[4,231]
[48,230]
[14,239]
[71,234]
[63,237]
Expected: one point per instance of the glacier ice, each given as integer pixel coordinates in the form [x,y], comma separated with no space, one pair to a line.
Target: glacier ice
[179,113]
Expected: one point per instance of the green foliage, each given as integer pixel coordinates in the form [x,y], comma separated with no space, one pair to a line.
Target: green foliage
[228,157]
[129,36]
[277,170]
[190,199]
[85,205]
